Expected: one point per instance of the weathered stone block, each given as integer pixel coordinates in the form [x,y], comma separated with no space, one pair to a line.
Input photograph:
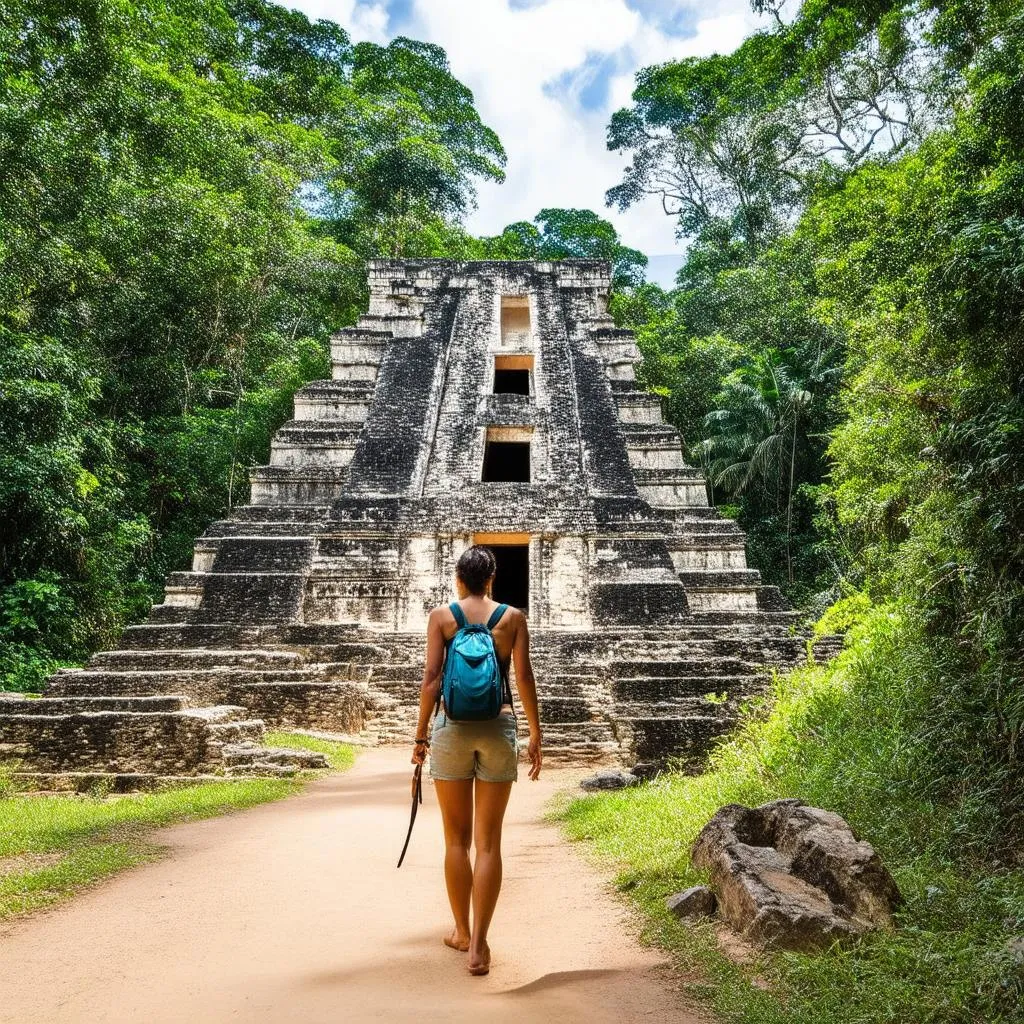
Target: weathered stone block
[792,876]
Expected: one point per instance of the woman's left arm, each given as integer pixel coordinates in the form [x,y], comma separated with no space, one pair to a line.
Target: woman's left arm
[431,681]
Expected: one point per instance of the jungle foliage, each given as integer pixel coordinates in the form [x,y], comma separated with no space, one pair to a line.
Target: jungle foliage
[187,195]
[843,352]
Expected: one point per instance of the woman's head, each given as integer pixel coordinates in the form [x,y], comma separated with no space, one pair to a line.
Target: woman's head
[475,568]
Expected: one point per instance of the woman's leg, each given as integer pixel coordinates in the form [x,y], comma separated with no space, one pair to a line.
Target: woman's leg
[491,801]
[455,798]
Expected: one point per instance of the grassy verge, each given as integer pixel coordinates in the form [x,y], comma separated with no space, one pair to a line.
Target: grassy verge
[53,846]
[340,755]
[845,736]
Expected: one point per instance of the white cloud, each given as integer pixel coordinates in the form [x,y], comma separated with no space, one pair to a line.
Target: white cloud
[512,58]
[362,19]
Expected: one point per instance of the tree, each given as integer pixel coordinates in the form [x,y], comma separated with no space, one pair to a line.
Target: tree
[760,431]
[745,138]
[557,234]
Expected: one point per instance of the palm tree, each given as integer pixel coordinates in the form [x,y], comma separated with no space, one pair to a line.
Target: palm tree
[755,433]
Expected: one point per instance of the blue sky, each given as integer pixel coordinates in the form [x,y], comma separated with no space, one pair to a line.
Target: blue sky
[547,75]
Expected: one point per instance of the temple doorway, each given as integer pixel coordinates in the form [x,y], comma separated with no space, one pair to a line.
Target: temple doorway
[512,578]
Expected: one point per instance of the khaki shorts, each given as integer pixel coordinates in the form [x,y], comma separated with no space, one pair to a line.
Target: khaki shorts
[488,750]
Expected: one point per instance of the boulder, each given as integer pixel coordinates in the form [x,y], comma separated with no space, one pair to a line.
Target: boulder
[609,779]
[794,877]
[696,902]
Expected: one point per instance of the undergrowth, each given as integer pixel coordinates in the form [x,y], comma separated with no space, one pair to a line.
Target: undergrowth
[853,736]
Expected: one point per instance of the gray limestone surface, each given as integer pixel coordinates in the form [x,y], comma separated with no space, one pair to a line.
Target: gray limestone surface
[796,877]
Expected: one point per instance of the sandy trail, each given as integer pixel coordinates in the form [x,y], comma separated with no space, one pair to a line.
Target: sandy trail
[294,911]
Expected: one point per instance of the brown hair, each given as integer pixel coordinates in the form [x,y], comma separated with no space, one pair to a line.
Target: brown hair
[476,567]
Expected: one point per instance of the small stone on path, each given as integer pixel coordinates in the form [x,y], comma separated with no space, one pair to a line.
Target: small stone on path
[696,902]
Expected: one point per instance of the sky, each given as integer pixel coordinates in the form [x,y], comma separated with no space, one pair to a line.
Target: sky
[546,76]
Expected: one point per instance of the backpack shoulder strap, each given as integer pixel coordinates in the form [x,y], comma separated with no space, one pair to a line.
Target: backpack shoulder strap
[460,616]
[496,615]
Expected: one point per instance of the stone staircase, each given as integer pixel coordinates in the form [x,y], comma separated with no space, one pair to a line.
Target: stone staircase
[144,713]
[136,742]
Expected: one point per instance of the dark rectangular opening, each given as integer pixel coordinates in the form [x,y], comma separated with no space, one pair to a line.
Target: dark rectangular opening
[507,462]
[512,576]
[511,382]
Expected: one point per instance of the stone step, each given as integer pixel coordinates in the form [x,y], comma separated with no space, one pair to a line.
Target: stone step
[297,485]
[636,405]
[309,700]
[675,706]
[244,731]
[685,739]
[138,683]
[236,755]
[195,658]
[619,670]
[263,515]
[751,621]
[314,442]
[334,400]
[755,650]
[669,475]
[723,599]
[668,688]
[243,529]
[564,709]
[254,554]
[171,614]
[389,673]
[80,705]
[640,433]
[174,743]
[725,579]
[216,635]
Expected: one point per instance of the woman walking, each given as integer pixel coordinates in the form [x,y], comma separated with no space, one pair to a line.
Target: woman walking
[474,763]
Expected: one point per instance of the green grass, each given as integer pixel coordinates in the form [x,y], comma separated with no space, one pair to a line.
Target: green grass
[846,736]
[95,836]
[340,755]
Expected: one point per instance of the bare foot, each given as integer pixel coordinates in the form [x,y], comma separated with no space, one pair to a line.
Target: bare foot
[480,961]
[457,940]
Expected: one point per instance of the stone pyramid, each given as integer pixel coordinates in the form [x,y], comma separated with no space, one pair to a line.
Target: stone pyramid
[477,402]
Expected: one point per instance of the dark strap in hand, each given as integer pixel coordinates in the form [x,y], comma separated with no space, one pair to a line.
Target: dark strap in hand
[417,799]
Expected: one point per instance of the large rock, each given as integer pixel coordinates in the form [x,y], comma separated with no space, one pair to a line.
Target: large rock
[612,778]
[791,876]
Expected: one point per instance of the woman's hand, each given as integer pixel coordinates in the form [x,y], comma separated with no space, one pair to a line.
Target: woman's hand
[533,750]
[419,753]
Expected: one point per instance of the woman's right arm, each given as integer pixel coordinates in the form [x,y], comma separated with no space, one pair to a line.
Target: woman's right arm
[527,686]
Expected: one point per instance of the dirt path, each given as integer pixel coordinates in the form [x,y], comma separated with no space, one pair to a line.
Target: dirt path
[294,911]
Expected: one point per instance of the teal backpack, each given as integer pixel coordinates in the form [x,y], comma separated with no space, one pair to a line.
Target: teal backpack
[473,685]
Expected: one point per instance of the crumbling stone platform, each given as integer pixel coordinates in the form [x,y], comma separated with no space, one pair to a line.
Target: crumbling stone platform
[481,402]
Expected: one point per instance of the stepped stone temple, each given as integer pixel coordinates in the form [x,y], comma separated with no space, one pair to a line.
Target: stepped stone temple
[482,402]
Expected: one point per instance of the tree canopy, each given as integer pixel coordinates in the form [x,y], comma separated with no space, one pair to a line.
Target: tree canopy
[556,234]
